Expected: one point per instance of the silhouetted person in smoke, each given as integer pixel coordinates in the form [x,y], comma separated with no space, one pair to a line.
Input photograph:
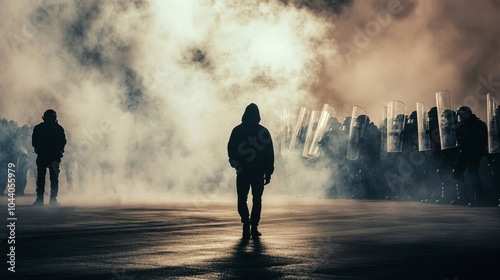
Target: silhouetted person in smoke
[410,148]
[6,148]
[48,140]
[250,150]
[343,183]
[472,139]
[370,154]
[367,140]
[330,146]
[394,148]
[432,192]
[410,133]
[25,158]
[448,153]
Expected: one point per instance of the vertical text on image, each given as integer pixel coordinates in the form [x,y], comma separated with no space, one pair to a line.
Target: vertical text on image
[11,219]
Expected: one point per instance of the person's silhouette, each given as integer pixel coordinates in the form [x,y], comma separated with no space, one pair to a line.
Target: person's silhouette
[49,140]
[250,150]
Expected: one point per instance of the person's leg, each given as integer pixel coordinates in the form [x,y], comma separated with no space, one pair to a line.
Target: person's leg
[458,174]
[476,181]
[447,166]
[68,171]
[54,180]
[257,191]
[22,173]
[41,171]
[494,164]
[242,188]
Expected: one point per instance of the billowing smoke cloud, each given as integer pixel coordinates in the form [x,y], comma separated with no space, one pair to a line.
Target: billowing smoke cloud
[148,91]
[408,50]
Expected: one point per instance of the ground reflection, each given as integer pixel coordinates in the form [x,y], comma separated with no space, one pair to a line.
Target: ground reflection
[250,259]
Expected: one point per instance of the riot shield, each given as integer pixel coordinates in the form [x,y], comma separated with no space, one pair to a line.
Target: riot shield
[325,119]
[493,122]
[299,128]
[311,128]
[396,119]
[358,124]
[446,120]
[383,133]
[424,141]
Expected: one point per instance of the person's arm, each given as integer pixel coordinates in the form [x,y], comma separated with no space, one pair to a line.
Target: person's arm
[484,137]
[35,139]
[62,141]
[269,159]
[232,150]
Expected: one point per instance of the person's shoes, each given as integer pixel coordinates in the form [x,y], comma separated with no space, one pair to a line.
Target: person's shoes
[38,202]
[246,231]
[53,202]
[255,233]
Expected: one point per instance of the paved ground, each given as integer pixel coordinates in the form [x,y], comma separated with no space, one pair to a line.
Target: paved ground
[302,239]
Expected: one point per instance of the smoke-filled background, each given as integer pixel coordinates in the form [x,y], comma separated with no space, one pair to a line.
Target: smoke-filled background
[148,91]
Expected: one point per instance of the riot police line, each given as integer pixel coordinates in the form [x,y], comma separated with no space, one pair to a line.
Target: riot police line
[15,144]
[437,155]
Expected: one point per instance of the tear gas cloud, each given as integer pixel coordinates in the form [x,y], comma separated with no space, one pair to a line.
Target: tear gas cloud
[148,91]
[408,50]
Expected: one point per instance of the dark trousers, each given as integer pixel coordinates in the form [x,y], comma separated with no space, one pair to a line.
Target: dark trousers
[243,183]
[22,174]
[471,162]
[41,165]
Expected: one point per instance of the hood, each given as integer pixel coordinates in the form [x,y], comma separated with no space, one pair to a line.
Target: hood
[251,115]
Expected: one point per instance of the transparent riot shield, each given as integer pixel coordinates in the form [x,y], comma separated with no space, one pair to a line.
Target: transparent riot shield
[299,128]
[446,120]
[383,134]
[493,122]
[396,119]
[311,128]
[424,140]
[325,119]
[358,124]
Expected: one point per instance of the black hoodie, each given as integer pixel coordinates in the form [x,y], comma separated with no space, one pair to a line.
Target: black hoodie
[472,136]
[49,140]
[250,147]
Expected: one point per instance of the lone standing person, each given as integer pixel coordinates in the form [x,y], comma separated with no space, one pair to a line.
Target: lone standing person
[49,140]
[251,153]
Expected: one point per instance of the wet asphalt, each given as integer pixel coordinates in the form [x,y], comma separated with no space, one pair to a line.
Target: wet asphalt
[301,239]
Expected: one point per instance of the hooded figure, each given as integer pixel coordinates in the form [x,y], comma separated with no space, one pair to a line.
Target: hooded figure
[49,140]
[250,151]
